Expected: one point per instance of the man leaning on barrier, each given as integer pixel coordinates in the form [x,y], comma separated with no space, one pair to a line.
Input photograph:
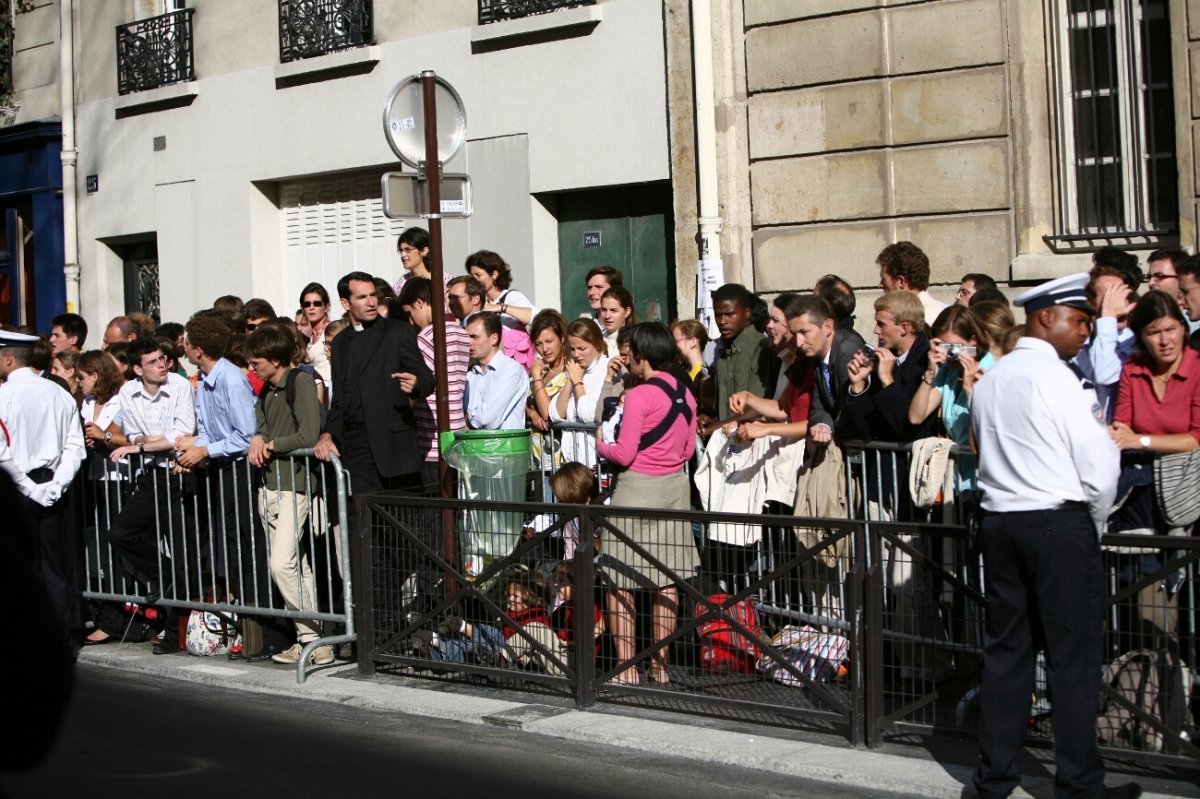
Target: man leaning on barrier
[157,408]
[1048,472]
[288,417]
[224,425]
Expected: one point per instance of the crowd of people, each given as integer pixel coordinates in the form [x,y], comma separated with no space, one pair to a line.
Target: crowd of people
[775,395]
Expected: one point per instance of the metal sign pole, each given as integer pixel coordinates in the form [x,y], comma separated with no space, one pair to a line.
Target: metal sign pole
[433,172]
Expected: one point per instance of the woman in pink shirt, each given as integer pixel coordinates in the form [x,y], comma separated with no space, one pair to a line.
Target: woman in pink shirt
[656,439]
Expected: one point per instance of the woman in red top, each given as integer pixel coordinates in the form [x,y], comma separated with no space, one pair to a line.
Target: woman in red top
[1158,399]
[1157,413]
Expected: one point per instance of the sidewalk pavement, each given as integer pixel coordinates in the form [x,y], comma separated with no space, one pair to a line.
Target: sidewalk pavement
[901,770]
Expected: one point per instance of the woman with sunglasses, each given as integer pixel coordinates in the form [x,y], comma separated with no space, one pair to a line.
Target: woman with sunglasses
[314,302]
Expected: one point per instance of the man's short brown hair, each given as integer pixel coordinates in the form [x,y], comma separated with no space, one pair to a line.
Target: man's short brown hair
[210,333]
[906,260]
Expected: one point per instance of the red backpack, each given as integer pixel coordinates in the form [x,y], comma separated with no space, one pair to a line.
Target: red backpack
[722,647]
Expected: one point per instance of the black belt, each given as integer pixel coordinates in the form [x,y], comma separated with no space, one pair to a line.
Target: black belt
[42,475]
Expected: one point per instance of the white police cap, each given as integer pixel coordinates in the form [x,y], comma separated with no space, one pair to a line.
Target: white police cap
[8,339]
[1067,291]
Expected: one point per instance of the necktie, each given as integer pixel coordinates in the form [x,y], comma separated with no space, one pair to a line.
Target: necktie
[825,377]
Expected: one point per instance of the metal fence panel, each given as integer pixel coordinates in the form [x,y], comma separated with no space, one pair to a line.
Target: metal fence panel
[210,549]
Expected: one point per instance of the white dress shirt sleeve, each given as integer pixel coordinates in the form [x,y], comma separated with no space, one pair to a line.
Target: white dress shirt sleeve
[1097,459]
[73,453]
[1103,362]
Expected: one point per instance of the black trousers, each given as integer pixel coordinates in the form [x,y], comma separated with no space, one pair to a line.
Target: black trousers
[226,490]
[1045,586]
[59,555]
[161,505]
[153,510]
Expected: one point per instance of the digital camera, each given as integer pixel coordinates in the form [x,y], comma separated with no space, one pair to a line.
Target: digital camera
[954,351]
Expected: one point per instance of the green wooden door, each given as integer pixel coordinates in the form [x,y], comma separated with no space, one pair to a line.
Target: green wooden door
[628,227]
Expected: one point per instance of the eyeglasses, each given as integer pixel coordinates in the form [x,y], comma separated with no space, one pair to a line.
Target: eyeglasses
[1160,276]
[313,304]
[964,292]
[1184,292]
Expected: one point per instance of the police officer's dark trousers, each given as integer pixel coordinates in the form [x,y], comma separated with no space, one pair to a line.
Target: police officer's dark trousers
[59,553]
[1044,588]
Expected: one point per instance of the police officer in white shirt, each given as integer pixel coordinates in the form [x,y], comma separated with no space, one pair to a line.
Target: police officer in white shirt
[1048,471]
[41,447]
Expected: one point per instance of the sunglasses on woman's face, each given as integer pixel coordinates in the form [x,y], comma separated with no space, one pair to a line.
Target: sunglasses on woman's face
[312,304]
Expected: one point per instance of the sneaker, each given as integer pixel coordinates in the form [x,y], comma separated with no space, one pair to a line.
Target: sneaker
[321,656]
[289,655]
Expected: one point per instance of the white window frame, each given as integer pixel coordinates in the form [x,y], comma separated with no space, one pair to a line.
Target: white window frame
[1134,211]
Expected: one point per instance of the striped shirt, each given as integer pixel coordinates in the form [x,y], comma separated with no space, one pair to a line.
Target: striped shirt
[170,413]
[458,357]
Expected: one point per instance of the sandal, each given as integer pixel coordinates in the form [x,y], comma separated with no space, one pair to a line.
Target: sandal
[628,677]
[657,672]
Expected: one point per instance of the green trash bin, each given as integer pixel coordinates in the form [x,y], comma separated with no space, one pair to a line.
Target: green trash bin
[492,465]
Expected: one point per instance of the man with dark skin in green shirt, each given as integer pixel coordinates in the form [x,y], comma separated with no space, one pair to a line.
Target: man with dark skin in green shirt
[744,358]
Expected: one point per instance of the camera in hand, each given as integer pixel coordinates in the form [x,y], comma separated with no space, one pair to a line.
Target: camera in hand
[955,351]
[870,354]
[609,408]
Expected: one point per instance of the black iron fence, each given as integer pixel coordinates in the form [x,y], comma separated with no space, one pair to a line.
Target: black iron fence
[310,28]
[155,52]
[628,617]
[497,10]
[870,626]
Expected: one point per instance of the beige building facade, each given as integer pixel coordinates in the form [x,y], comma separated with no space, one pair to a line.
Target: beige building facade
[1011,137]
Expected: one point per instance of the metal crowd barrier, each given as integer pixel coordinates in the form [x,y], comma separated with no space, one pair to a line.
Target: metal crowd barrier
[896,592]
[209,550]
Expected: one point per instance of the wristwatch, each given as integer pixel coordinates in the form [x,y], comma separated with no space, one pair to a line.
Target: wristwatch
[1144,441]
[107,436]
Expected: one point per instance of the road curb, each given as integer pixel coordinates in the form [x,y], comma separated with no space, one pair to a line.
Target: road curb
[844,766]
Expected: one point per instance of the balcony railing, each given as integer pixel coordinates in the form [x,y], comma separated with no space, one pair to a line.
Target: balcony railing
[497,10]
[310,28]
[155,52]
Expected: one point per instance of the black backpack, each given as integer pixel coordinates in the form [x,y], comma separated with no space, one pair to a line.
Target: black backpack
[289,393]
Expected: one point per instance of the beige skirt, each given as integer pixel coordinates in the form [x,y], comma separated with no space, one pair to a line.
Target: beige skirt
[669,543]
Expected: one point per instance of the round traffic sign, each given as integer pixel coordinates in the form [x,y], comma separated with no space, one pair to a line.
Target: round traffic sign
[404,120]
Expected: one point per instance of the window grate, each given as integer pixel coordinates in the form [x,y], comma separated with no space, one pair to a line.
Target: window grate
[1117,178]
[309,28]
[155,52]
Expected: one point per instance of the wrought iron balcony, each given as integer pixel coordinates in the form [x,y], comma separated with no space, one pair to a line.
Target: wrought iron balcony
[310,28]
[497,10]
[155,52]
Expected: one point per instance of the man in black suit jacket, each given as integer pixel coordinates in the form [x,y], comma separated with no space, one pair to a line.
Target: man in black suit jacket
[376,368]
[818,336]
[882,386]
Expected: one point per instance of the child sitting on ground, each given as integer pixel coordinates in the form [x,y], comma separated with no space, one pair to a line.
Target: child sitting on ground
[562,612]
[525,596]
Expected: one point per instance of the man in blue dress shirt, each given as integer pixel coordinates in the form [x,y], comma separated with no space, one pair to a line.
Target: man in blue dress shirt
[497,386]
[224,426]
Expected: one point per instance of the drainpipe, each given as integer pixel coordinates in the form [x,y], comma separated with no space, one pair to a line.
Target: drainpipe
[711,272]
[66,80]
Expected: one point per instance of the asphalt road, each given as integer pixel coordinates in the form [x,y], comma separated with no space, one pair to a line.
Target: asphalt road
[133,736]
